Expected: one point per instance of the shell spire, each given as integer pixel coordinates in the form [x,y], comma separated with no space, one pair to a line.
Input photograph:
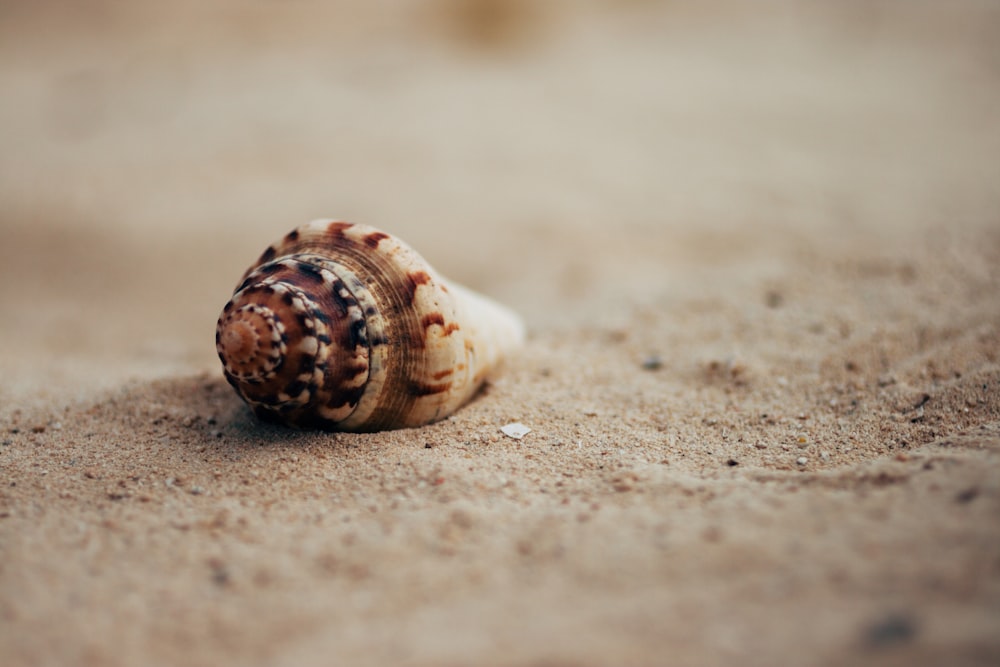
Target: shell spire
[343,327]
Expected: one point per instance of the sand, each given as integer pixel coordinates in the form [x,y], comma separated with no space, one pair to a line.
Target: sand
[757,251]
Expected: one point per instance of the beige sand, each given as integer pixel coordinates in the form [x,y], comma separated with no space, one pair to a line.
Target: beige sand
[758,253]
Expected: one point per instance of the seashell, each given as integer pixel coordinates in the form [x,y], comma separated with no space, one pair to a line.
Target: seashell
[343,327]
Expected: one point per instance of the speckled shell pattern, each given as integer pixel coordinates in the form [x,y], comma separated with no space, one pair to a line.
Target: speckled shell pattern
[340,326]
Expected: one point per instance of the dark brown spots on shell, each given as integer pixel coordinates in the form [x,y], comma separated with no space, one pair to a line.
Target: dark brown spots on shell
[308,364]
[292,236]
[337,288]
[358,333]
[295,388]
[337,229]
[303,320]
[258,273]
[334,405]
[426,389]
[438,319]
[440,375]
[415,280]
[311,272]
[372,240]
[346,398]
[431,319]
[268,255]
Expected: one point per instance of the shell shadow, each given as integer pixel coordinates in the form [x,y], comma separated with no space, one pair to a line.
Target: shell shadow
[202,413]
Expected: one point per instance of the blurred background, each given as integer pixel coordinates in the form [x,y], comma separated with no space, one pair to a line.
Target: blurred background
[558,154]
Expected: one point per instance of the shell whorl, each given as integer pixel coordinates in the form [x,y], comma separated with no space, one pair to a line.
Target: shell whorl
[344,327]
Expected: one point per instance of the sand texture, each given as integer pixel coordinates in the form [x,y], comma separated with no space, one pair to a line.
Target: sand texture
[757,248]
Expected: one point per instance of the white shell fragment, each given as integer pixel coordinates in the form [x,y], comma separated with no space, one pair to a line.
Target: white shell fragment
[516,430]
[343,327]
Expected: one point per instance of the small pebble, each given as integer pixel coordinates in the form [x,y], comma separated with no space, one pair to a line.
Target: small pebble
[802,460]
[891,630]
[967,496]
[652,363]
[515,430]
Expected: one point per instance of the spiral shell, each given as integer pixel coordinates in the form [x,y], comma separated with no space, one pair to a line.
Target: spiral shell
[341,326]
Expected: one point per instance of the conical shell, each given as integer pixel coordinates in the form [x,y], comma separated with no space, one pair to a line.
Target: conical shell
[343,327]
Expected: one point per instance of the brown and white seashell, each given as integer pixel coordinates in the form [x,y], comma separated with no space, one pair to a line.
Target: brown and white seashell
[343,327]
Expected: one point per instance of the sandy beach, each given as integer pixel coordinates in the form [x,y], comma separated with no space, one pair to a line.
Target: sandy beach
[757,251]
